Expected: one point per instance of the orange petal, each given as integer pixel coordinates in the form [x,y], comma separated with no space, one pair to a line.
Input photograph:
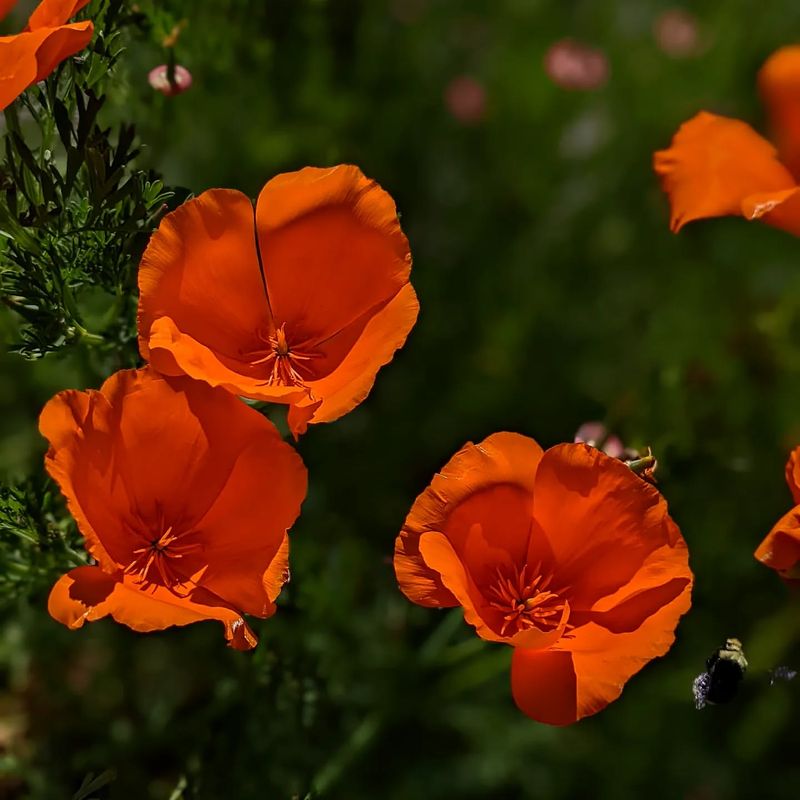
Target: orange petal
[88,594]
[779,86]
[717,166]
[80,461]
[278,573]
[53,13]
[18,66]
[588,669]
[602,521]
[544,685]
[351,381]
[793,474]
[780,550]
[201,270]
[172,352]
[60,44]
[502,467]
[332,249]
[663,575]
[440,556]
[243,535]
[779,209]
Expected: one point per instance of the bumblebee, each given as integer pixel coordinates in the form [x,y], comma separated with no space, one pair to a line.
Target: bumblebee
[725,669]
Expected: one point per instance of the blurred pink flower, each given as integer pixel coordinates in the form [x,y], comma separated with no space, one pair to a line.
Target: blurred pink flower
[677,34]
[596,434]
[158,78]
[573,65]
[465,99]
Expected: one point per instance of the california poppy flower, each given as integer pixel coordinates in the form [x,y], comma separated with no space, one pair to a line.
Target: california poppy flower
[718,166]
[29,57]
[780,550]
[564,554]
[300,300]
[184,496]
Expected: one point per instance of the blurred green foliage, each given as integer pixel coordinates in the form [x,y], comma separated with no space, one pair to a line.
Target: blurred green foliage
[552,293]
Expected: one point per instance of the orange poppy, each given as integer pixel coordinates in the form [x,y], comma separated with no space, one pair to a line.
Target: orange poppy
[780,550]
[184,497]
[718,166]
[564,554]
[29,57]
[300,300]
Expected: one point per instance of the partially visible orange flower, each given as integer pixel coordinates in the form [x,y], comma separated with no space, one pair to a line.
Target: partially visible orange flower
[29,57]
[184,497]
[780,550]
[300,300]
[566,555]
[718,166]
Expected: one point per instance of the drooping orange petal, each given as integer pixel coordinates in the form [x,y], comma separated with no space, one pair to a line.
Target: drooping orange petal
[201,271]
[588,669]
[718,166]
[88,594]
[60,44]
[332,249]
[54,13]
[793,474]
[602,521]
[779,86]
[504,462]
[780,550]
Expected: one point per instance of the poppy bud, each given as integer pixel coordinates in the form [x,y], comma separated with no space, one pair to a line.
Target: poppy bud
[159,79]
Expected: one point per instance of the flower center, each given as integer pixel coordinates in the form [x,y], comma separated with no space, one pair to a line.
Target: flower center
[156,561]
[287,365]
[523,598]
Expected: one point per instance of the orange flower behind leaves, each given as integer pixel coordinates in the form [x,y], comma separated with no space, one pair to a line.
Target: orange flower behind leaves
[184,496]
[299,301]
[718,166]
[566,555]
[780,550]
[29,57]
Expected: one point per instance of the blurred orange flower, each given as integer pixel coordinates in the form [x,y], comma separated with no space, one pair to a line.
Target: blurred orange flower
[184,497]
[780,550]
[718,166]
[566,555]
[300,301]
[29,57]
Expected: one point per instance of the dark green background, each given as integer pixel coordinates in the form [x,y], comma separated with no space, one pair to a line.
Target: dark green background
[552,292]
